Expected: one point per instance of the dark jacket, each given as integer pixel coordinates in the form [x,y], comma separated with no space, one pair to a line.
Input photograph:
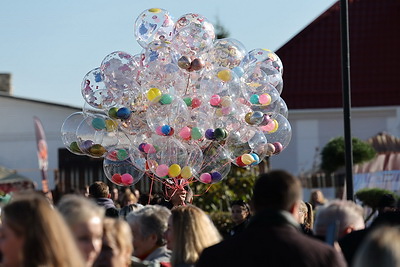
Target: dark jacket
[272,238]
[108,204]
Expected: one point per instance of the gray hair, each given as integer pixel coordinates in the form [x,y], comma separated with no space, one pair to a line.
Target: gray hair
[77,209]
[345,213]
[151,219]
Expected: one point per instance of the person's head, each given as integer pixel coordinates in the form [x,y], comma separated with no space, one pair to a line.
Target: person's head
[117,245]
[386,203]
[177,194]
[85,220]
[190,231]
[148,226]
[277,190]
[34,234]
[99,189]
[346,214]
[317,198]
[380,248]
[128,198]
[240,211]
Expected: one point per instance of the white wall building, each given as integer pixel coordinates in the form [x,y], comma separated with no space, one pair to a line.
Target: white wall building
[18,150]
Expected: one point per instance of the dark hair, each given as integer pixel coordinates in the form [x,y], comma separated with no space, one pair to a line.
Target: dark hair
[387,200]
[241,203]
[99,189]
[277,190]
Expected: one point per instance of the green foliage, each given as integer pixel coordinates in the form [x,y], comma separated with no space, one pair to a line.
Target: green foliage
[222,220]
[220,31]
[333,153]
[371,196]
[217,197]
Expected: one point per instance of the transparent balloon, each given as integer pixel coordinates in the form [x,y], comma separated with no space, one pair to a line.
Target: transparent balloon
[246,142]
[278,133]
[167,115]
[227,52]
[160,67]
[193,34]
[152,25]
[92,82]
[68,132]
[96,135]
[121,172]
[119,70]
[216,164]
[262,57]
[100,101]
[175,159]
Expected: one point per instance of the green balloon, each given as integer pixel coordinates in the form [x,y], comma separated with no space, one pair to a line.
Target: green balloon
[98,124]
[113,113]
[196,133]
[97,150]
[188,101]
[74,147]
[220,134]
[166,99]
[122,154]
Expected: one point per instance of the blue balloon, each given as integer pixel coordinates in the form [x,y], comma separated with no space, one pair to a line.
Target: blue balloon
[123,113]
[166,129]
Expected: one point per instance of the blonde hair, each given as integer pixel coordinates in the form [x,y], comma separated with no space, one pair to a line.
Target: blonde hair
[77,209]
[193,231]
[47,239]
[380,248]
[118,236]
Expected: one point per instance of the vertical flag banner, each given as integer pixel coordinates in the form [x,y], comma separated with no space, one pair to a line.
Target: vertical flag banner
[42,152]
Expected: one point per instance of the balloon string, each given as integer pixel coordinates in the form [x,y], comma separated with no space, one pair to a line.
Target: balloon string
[187,86]
[151,189]
[208,188]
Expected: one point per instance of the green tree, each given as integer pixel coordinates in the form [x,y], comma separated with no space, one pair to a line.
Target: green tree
[220,31]
[371,196]
[217,197]
[333,153]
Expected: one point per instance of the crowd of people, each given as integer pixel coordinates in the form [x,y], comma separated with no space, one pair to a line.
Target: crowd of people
[111,228]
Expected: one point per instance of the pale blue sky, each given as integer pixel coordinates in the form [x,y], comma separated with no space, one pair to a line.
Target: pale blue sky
[49,45]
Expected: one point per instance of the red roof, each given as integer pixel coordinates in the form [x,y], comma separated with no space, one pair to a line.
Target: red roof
[312,60]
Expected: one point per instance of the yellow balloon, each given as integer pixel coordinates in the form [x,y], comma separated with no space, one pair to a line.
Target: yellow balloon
[247,159]
[225,75]
[226,101]
[154,94]
[186,172]
[155,10]
[111,125]
[174,170]
[218,112]
[276,126]
[247,118]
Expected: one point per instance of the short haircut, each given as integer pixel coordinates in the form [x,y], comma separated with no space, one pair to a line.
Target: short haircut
[77,209]
[346,213]
[242,204]
[99,189]
[277,190]
[151,219]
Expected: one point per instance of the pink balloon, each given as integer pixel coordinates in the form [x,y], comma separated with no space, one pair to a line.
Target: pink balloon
[162,170]
[205,178]
[215,100]
[149,148]
[265,99]
[126,179]
[185,133]
[159,131]
[269,127]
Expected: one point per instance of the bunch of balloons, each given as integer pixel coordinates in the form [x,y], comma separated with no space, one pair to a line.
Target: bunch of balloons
[187,107]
